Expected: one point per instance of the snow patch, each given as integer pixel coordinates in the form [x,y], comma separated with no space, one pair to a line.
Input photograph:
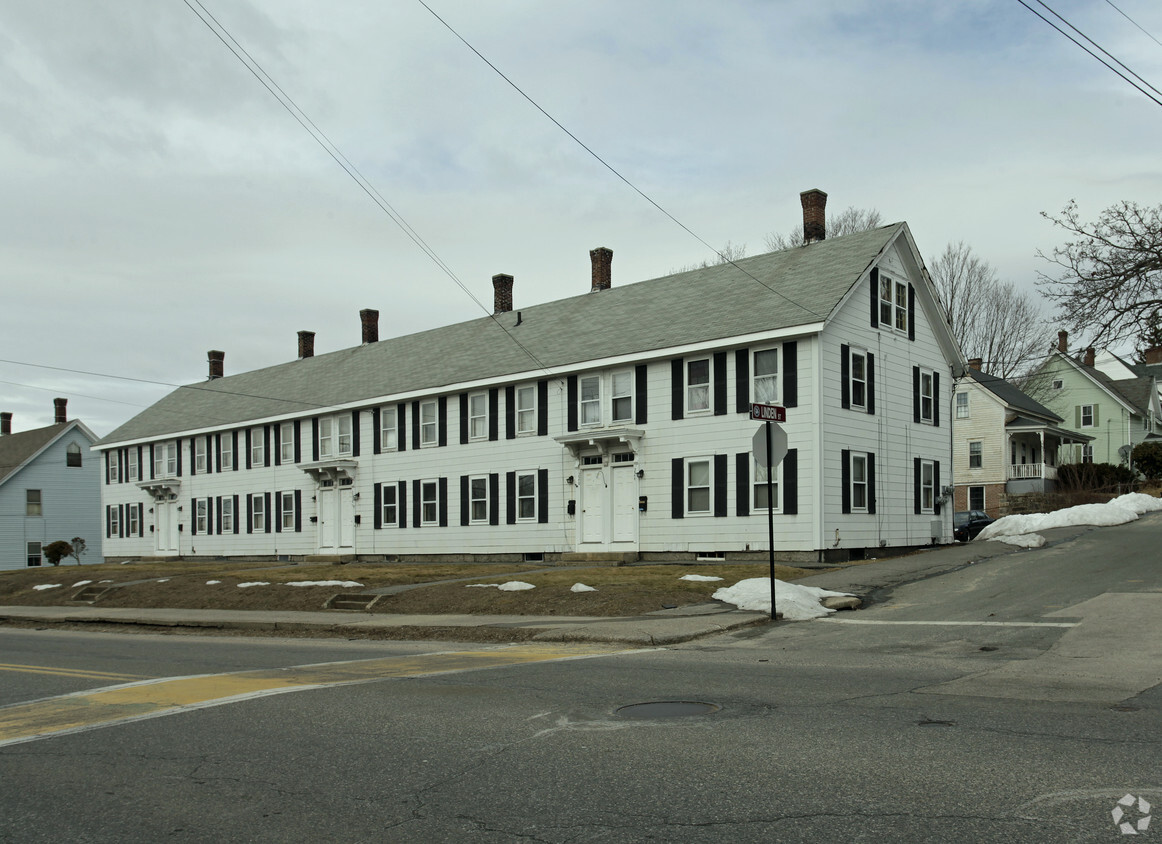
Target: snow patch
[581,587]
[1025,540]
[323,583]
[699,577]
[41,587]
[213,582]
[254,583]
[482,586]
[81,583]
[795,602]
[515,586]
[1124,508]
[163,580]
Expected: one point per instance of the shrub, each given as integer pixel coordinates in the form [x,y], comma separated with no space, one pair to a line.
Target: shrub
[54,552]
[1092,477]
[1147,459]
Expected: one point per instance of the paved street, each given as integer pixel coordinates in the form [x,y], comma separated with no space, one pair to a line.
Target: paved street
[1013,698]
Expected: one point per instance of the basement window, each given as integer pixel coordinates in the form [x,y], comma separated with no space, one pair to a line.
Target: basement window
[710,556]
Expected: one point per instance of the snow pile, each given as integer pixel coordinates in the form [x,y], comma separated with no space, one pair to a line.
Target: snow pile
[81,583]
[581,587]
[1124,508]
[483,586]
[323,583]
[213,582]
[795,602]
[162,580]
[1025,540]
[698,577]
[254,583]
[515,586]
[44,586]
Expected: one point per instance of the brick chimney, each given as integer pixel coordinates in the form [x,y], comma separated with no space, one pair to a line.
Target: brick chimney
[501,293]
[306,344]
[217,363]
[5,423]
[814,215]
[61,415]
[370,319]
[975,363]
[1088,356]
[602,260]
[1063,341]
[1152,355]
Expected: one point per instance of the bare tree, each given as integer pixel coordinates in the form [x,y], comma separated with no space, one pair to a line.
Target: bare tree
[992,319]
[727,254]
[1108,281]
[848,221]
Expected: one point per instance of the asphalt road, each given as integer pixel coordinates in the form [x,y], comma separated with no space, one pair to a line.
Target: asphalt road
[1015,698]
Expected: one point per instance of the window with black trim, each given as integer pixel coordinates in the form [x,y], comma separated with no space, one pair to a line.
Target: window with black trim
[976,498]
[927,486]
[389,504]
[857,373]
[859,482]
[478,416]
[893,304]
[134,467]
[927,395]
[335,436]
[165,459]
[759,474]
[226,452]
[199,455]
[698,486]
[286,443]
[132,520]
[526,496]
[526,409]
[201,515]
[429,423]
[35,556]
[257,447]
[975,454]
[388,428]
[226,520]
[288,511]
[698,385]
[765,377]
[114,466]
[478,500]
[621,396]
[258,513]
[590,401]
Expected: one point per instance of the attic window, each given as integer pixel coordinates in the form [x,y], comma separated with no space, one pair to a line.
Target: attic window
[1057,384]
[73,455]
[893,304]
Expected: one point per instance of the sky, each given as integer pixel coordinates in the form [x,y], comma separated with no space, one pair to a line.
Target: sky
[159,202]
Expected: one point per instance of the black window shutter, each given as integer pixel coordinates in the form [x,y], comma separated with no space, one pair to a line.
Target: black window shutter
[266,512]
[720,384]
[845,376]
[791,374]
[442,418]
[871,483]
[845,480]
[277,514]
[911,312]
[355,433]
[571,400]
[936,487]
[140,520]
[210,515]
[140,461]
[677,488]
[543,408]
[123,461]
[151,477]
[875,297]
[121,520]
[298,511]
[265,445]
[936,399]
[178,449]
[417,505]
[235,525]
[494,414]
[416,427]
[543,496]
[510,497]
[377,504]
[376,444]
[443,505]
[193,458]
[234,449]
[742,380]
[402,504]
[916,486]
[742,482]
[915,394]
[108,521]
[494,498]
[108,458]
[640,388]
[401,421]
[677,397]
[218,505]
[249,513]
[463,500]
[218,452]
[790,490]
[871,383]
[720,495]
[463,419]
[278,445]
[247,439]
[510,412]
[209,453]
[314,437]
[193,517]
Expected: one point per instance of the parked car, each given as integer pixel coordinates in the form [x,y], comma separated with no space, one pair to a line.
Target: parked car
[968,523]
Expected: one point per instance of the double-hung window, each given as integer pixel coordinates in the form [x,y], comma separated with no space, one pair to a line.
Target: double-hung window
[114,520]
[226,452]
[389,503]
[478,500]
[73,455]
[526,410]
[257,447]
[621,395]
[132,520]
[859,482]
[226,522]
[698,486]
[927,486]
[962,406]
[1087,453]
[286,443]
[927,396]
[165,460]
[134,467]
[388,429]
[697,385]
[335,436]
[258,513]
[429,433]
[1087,416]
[760,488]
[32,503]
[976,498]
[288,511]
[429,503]
[893,303]
[199,455]
[114,466]
[201,511]
[975,455]
[478,416]
[526,496]
[591,400]
[858,370]
[766,376]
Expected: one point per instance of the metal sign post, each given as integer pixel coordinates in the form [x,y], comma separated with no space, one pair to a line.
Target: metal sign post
[770,447]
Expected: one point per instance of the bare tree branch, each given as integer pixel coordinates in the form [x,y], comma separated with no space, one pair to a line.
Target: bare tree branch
[848,221]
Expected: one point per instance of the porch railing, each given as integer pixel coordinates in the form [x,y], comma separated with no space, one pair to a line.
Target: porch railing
[1032,471]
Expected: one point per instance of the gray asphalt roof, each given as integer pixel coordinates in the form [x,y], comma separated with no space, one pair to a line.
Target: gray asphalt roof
[1010,394]
[795,287]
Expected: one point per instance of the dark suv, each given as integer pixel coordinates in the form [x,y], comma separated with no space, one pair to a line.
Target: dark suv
[968,523]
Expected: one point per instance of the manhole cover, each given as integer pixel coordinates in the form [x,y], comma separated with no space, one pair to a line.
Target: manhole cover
[667,709]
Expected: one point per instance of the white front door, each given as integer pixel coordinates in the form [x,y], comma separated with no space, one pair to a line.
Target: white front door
[325,506]
[165,526]
[336,515]
[345,516]
[625,516]
[593,497]
[608,506]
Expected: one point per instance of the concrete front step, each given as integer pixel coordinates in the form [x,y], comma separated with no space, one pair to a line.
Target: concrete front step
[352,601]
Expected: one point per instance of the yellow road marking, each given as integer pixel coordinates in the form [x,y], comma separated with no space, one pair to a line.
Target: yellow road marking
[153,698]
[67,672]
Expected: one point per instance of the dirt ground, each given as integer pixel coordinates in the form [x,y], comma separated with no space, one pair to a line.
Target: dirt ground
[619,590]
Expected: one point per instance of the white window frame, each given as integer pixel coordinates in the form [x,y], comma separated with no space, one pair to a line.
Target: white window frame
[962,405]
[34,551]
[286,442]
[429,506]
[226,522]
[345,440]
[927,396]
[982,497]
[691,489]
[257,447]
[34,503]
[165,459]
[478,500]
[258,513]
[288,511]
[927,487]
[893,297]
[226,452]
[389,509]
[429,423]
[201,511]
[200,455]
[854,380]
[621,398]
[526,496]
[1057,384]
[1092,421]
[389,428]
[589,400]
[765,385]
[1087,453]
[859,482]
[759,487]
[133,466]
[74,460]
[114,472]
[478,416]
[976,454]
[132,521]
[698,393]
[114,521]
[526,409]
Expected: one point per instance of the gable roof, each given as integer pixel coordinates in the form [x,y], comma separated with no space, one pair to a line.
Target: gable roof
[795,287]
[1133,394]
[18,450]
[1010,394]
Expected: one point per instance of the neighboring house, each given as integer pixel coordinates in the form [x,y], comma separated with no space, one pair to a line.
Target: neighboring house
[1117,412]
[1005,443]
[610,425]
[50,489]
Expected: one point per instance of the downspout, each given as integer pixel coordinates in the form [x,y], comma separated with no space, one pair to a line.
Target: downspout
[820,486]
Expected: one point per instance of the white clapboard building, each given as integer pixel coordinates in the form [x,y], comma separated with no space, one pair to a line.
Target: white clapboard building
[611,425]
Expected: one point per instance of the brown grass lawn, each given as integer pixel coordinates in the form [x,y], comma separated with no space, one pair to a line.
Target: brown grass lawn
[621,591]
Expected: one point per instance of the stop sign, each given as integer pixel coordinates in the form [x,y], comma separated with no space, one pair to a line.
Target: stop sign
[778,444]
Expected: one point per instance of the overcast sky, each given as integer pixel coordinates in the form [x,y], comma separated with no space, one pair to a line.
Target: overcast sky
[158,202]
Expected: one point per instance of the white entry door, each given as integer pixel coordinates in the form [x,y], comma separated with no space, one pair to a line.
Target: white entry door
[325,501]
[609,505]
[165,526]
[593,500]
[336,514]
[625,516]
[345,516]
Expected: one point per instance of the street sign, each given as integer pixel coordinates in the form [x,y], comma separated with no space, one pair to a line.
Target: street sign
[778,444]
[768,412]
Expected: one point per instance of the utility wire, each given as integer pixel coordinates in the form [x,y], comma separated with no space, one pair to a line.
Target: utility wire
[1135,23]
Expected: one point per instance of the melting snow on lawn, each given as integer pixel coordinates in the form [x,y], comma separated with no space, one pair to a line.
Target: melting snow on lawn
[213,582]
[81,583]
[41,587]
[1022,530]
[511,586]
[323,583]
[254,583]
[698,577]
[795,602]
[581,587]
